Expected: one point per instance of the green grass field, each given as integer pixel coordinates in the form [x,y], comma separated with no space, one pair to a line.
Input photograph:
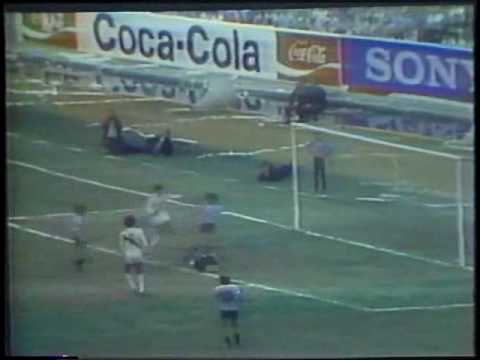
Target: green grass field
[373,280]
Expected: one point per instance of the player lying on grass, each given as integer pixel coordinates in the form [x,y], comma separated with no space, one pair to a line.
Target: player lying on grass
[119,140]
[132,244]
[157,217]
[77,224]
[271,172]
[229,297]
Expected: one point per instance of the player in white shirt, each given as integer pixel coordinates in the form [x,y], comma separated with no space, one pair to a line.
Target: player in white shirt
[229,297]
[158,217]
[77,225]
[132,244]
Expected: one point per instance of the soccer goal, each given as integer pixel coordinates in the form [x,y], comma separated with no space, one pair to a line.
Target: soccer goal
[382,193]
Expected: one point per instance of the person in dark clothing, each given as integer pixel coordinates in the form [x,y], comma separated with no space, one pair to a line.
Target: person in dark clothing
[166,146]
[112,133]
[120,140]
[308,101]
[271,172]
[134,141]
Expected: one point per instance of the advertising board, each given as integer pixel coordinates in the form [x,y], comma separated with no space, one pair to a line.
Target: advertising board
[412,68]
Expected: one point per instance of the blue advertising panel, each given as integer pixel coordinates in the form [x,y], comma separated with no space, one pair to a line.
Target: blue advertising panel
[405,67]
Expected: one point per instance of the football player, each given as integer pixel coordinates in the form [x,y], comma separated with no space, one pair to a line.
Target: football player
[158,217]
[77,224]
[228,297]
[132,244]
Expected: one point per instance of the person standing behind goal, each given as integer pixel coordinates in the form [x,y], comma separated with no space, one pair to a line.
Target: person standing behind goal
[320,151]
[229,297]
[132,244]
[158,218]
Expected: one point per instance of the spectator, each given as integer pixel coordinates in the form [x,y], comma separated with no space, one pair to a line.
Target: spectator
[307,101]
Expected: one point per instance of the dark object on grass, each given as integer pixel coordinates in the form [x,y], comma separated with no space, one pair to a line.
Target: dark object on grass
[202,262]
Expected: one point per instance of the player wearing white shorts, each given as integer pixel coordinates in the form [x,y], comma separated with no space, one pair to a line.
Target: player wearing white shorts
[158,217]
[132,244]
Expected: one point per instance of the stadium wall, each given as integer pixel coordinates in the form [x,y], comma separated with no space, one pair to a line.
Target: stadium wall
[358,64]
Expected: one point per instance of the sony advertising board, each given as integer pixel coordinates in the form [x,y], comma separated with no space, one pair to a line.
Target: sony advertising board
[412,68]
[310,56]
[175,41]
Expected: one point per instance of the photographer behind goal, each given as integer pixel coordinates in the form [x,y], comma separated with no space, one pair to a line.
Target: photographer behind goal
[307,100]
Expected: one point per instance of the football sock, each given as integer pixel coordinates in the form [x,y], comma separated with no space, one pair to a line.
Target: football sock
[130,281]
[141,283]
[227,341]
[237,338]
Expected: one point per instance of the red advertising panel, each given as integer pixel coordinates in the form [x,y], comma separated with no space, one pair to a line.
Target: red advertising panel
[308,56]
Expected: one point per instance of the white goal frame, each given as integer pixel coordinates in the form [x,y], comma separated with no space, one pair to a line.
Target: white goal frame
[461,245]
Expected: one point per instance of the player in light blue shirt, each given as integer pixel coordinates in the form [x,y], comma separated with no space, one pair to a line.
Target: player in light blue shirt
[229,298]
[209,214]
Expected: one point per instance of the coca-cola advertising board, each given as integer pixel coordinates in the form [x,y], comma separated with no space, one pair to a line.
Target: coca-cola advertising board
[308,56]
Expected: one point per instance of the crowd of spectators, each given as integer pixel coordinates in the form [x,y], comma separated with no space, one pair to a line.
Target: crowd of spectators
[449,25]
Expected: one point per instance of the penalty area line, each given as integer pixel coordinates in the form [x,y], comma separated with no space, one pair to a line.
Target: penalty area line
[186,270]
[413,308]
[246,283]
[250,218]
[53,215]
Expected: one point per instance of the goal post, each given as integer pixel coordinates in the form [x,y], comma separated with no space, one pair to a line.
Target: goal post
[384,193]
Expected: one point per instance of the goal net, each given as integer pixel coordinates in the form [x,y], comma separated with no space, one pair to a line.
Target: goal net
[384,194]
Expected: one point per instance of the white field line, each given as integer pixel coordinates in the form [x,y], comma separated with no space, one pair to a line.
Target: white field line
[247,153]
[13,135]
[112,157]
[422,308]
[81,102]
[449,205]
[373,199]
[187,141]
[393,196]
[53,215]
[73,148]
[271,187]
[246,217]
[54,92]
[178,109]
[22,103]
[152,262]
[249,284]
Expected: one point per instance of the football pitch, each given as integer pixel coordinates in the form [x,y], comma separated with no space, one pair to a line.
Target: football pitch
[355,285]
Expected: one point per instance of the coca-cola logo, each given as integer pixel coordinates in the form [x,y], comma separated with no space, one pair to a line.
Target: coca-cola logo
[304,51]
